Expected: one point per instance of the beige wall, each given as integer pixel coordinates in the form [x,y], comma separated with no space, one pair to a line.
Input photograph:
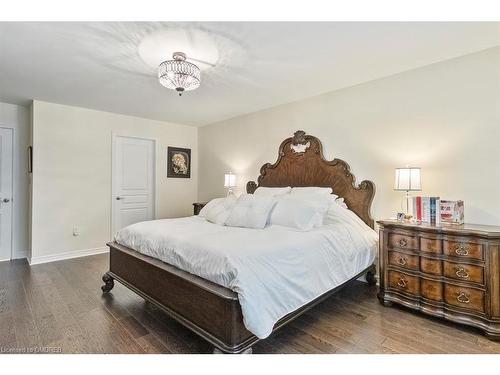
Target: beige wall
[17,117]
[443,118]
[72,176]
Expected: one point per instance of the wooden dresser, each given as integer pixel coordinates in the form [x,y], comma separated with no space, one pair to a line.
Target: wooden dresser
[448,271]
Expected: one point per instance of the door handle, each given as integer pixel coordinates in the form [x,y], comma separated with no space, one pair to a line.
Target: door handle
[118,198]
[6,200]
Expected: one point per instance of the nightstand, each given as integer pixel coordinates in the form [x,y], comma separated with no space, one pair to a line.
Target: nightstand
[197,207]
[448,271]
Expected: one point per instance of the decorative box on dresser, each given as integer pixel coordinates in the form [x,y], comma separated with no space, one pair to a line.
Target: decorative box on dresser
[448,271]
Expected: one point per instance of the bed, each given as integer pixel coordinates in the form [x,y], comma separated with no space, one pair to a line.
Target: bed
[219,311]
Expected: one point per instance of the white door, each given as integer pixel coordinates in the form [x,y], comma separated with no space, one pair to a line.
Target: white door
[133,181]
[5,193]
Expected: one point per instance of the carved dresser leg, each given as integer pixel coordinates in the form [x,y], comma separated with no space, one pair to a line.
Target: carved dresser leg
[383,301]
[492,336]
[370,276]
[108,283]
[246,351]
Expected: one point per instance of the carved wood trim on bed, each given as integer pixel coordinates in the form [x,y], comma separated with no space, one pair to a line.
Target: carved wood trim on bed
[301,163]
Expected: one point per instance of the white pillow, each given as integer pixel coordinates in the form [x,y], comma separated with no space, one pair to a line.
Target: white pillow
[341,203]
[311,190]
[351,222]
[251,211]
[217,210]
[300,212]
[337,214]
[209,205]
[272,191]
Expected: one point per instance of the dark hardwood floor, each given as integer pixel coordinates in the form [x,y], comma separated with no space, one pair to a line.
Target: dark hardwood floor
[60,306]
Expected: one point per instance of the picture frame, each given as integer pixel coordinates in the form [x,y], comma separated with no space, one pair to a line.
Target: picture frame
[30,159]
[178,162]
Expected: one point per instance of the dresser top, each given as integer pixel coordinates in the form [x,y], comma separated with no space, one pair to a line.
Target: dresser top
[463,229]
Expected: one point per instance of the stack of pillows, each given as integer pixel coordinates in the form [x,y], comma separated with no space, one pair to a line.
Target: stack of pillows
[301,208]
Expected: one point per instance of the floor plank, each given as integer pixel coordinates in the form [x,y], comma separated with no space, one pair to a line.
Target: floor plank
[25,329]
[60,306]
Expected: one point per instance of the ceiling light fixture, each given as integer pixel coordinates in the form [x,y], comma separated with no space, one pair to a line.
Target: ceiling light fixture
[178,74]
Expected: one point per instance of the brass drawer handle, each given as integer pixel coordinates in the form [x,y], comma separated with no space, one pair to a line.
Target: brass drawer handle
[403,242]
[402,261]
[463,298]
[402,282]
[462,250]
[462,272]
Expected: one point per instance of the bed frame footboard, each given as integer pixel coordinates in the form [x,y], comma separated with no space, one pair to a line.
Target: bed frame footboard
[210,310]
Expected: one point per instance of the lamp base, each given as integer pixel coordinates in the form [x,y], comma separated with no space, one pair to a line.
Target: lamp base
[402,217]
[405,216]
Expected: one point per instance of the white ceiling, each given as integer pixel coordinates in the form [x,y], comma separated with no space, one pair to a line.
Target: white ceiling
[110,66]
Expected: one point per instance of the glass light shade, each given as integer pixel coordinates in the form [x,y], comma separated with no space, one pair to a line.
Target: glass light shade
[229,180]
[178,74]
[407,179]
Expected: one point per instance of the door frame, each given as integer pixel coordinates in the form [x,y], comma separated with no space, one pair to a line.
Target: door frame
[114,137]
[13,199]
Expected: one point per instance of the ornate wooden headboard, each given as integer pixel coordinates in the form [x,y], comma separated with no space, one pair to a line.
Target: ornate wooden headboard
[301,163]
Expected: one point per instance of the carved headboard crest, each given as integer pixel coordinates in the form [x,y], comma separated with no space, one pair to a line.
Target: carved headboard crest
[301,163]
[299,142]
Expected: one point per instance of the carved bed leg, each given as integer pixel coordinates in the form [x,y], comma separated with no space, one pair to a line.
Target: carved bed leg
[246,351]
[108,283]
[370,276]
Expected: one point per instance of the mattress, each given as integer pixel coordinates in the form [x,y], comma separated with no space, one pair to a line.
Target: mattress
[274,270]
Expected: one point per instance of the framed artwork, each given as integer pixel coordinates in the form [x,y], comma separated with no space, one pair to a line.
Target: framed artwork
[178,162]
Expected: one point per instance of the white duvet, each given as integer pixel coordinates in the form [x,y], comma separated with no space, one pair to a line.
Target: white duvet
[274,270]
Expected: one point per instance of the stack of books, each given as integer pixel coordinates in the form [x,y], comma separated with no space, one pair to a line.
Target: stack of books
[433,210]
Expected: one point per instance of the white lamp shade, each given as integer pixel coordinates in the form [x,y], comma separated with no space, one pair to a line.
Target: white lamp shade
[229,180]
[407,179]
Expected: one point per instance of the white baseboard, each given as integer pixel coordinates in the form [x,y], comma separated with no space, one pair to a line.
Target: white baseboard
[67,255]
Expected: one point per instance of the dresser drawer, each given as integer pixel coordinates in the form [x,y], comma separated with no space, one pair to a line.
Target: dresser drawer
[431,290]
[402,241]
[403,260]
[403,282]
[430,245]
[465,272]
[463,249]
[466,298]
[431,266]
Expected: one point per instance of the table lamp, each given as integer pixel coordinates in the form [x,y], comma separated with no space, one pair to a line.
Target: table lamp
[229,183]
[407,179]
